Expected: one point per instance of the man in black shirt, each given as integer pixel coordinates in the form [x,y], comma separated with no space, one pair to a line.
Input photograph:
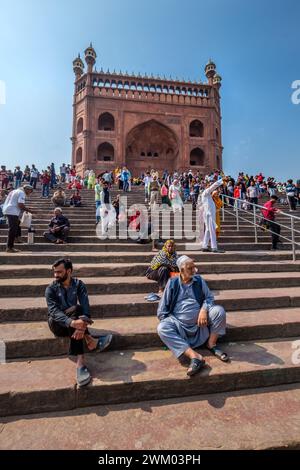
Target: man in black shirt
[59,227]
[69,316]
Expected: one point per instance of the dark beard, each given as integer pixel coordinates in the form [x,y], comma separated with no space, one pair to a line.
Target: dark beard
[62,279]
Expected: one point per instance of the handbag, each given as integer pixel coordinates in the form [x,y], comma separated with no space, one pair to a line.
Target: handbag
[26,220]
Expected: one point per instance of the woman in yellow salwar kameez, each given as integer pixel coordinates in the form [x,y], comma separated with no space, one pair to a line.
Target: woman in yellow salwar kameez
[219,204]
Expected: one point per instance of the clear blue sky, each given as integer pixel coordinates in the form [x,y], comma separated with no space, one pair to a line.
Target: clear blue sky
[255,45]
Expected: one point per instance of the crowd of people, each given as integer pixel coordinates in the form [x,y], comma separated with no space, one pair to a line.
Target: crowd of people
[174,189]
[187,314]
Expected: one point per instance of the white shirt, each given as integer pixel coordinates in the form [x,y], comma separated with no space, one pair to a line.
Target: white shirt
[107,177]
[147,180]
[11,205]
[207,200]
[34,173]
[252,191]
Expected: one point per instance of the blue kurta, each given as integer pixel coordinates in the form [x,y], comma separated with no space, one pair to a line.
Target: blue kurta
[178,328]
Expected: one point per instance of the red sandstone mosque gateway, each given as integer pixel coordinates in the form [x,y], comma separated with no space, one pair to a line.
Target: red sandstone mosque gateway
[144,122]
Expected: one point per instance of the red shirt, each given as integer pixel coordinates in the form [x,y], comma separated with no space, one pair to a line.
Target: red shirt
[237,193]
[133,221]
[45,179]
[3,175]
[75,185]
[270,211]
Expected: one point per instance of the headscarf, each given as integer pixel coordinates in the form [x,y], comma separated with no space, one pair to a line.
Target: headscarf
[164,258]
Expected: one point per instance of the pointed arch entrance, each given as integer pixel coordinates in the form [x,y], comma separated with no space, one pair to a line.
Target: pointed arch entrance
[151,144]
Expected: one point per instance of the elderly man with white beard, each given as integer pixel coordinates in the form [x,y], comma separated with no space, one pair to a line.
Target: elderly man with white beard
[189,318]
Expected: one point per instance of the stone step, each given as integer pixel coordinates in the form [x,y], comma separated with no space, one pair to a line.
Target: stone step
[227,228]
[88,210]
[148,374]
[74,247]
[90,230]
[26,287]
[125,305]
[257,424]
[139,269]
[133,246]
[32,258]
[182,233]
[186,233]
[34,339]
[39,239]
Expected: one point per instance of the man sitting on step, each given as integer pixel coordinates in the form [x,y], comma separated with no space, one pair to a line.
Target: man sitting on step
[59,228]
[59,198]
[69,316]
[189,318]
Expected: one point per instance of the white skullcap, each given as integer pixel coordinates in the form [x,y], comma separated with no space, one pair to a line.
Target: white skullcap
[27,186]
[182,260]
[58,209]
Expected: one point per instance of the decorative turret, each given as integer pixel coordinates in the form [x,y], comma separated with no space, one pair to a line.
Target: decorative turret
[217,81]
[78,67]
[210,71]
[90,57]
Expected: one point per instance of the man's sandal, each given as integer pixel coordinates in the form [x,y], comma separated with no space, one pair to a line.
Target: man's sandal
[219,353]
[195,366]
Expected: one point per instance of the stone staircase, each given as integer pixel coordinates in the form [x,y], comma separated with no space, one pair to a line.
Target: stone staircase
[138,386]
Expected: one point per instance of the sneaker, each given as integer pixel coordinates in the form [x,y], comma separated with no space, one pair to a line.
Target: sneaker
[218,251]
[12,250]
[83,376]
[103,342]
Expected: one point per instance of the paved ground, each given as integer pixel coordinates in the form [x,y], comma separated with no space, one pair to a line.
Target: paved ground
[252,419]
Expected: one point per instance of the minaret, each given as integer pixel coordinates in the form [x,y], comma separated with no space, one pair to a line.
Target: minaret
[210,71]
[217,81]
[90,57]
[78,67]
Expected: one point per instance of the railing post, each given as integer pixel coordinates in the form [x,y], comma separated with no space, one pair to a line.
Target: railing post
[223,208]
[254,220]
[237,215]
[293,239]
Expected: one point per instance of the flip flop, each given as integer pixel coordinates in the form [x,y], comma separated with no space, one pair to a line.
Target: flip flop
[149,295]
[195,366]
[153,298]
[83,376]
[223,356]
